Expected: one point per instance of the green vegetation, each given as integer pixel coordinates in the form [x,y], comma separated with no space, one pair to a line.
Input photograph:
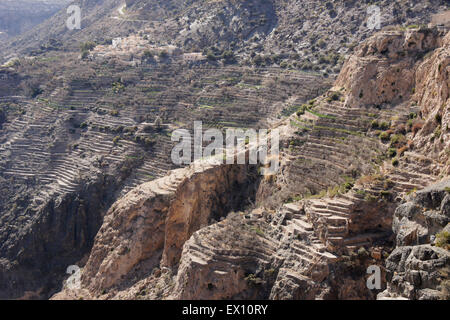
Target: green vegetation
[87,46]
[412,115]
[258,231]
[392,152]
[215,54]
[163,54]
[320,115]
[13,63]
[118,87]
[443,240]
[437,132]
[384,136]
[301,110]
[374,124]
[148,55]
[349,184]
[384,125]
[397,139]
[335,96]
[253,280]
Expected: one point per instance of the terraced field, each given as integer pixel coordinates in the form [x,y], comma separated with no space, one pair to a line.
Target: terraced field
[80,127]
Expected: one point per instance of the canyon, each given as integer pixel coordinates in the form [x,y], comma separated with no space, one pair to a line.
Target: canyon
[86,124]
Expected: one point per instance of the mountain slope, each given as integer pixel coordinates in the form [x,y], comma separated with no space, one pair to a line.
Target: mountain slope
[84,120]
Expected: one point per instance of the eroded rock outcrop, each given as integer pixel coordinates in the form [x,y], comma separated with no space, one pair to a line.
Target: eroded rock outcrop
[383,69]
[418,267]
[153,221]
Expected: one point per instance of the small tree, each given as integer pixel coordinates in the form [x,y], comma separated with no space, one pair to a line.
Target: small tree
[87,46]
[158,123]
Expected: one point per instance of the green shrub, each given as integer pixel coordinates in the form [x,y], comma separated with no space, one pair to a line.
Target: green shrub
[118,87]
[322,43]
[375,124]
[253,280]
[437,132]
[211,56]
[348,185]
[87,46]
[149,142]
[392,152]
[116,140]
[384,125]
[335,96]
[302,109]
[397,139]
[258,231]
[395,162]
[384,136]
[148,55]
[13,63]
[228,57]
[409,125]
[258,60]
[443,240]
[385,193]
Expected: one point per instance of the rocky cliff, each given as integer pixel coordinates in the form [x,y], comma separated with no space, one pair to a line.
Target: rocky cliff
[418,268]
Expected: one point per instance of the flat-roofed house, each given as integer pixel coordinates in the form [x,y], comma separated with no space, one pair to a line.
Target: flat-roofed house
[441,19]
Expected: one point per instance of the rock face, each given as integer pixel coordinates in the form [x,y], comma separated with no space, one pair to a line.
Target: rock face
[432,94]
[154,220]
[418,267]
[383,69]
[58,235]
[418,272]
[417,221]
